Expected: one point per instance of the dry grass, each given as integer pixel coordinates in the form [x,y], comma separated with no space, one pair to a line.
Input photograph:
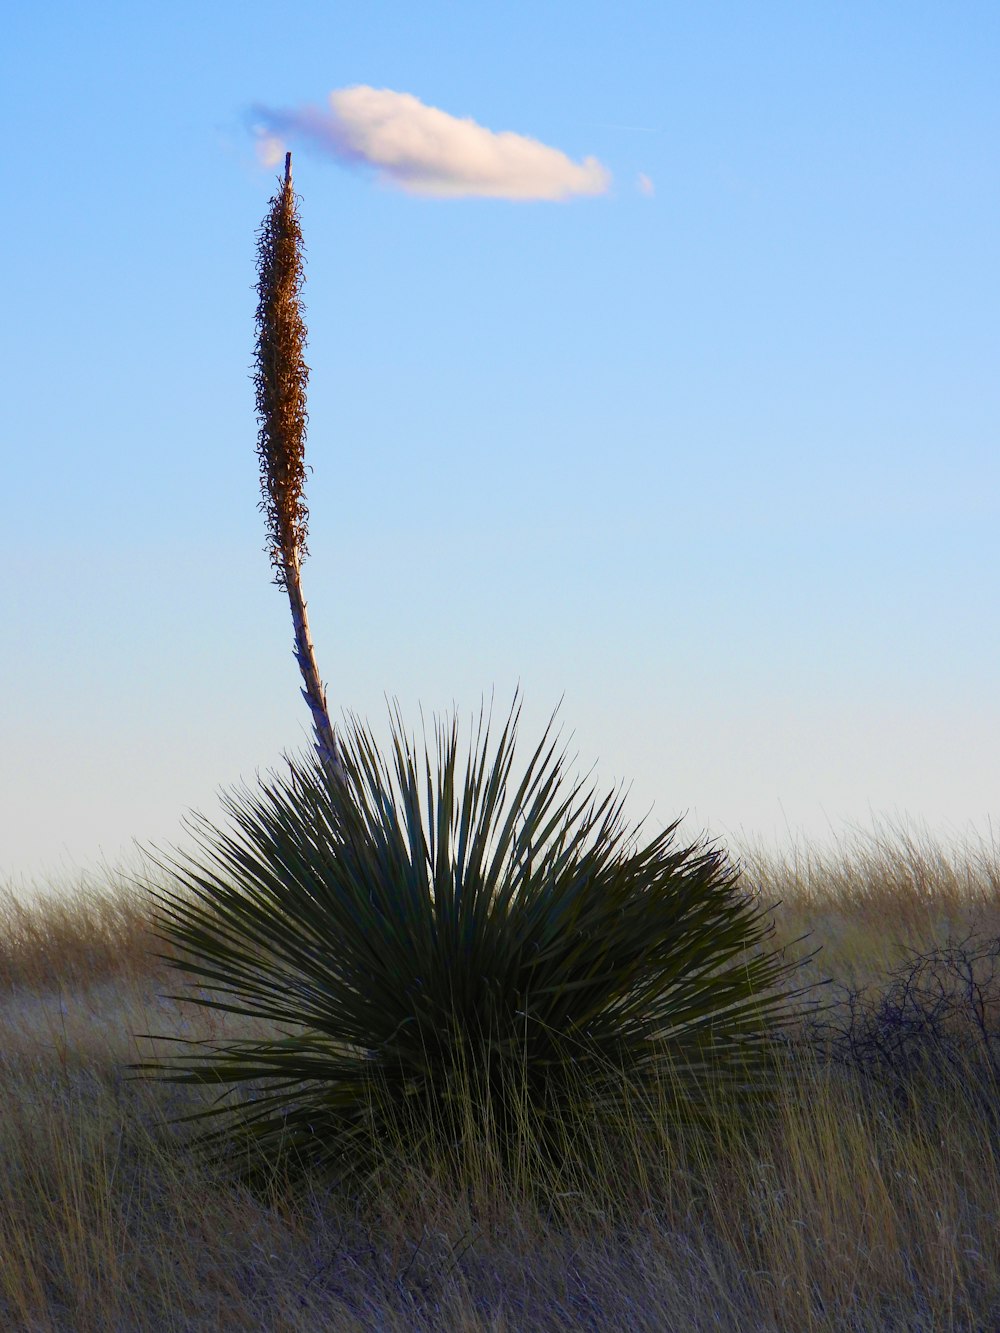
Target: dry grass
[844,1212]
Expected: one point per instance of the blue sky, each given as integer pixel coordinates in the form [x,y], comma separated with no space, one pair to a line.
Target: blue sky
[715,464]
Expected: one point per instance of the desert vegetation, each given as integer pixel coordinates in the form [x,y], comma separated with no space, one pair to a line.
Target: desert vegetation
[420,1038]
[456,947]
[864,1197]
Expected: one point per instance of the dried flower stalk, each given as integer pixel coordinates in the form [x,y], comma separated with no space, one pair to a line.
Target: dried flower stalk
[281,378]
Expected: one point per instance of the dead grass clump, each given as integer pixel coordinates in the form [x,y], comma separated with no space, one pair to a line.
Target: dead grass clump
[75,936]
[936,1023]
[875,897]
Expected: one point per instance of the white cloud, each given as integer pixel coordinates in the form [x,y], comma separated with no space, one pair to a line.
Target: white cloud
[270,149]
[422,150]
[644,185]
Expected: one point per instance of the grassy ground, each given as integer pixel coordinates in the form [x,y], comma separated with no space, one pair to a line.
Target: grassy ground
[870,1201]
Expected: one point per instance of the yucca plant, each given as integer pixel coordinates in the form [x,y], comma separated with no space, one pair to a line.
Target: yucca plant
[441,947]
[425,932]
[281,378]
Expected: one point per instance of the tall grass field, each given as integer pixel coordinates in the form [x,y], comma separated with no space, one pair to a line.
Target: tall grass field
[865,1197]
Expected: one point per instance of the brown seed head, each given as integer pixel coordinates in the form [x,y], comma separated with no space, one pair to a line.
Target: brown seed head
[280,379]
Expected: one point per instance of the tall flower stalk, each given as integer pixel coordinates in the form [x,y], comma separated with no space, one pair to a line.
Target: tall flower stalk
[281,378]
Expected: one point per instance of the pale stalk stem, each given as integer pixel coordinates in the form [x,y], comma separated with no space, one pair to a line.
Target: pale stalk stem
[313,692]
